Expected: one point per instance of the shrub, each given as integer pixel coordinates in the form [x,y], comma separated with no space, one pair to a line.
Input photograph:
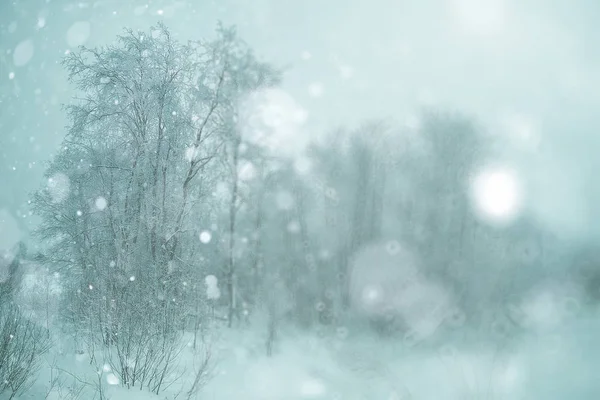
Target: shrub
[22,345]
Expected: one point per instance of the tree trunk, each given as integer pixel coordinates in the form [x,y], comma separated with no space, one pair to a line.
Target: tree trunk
[232,220]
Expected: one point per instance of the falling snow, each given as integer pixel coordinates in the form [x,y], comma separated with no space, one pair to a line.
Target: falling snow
[311,205]
[100,203]
[274,120]
[205,237]
[23,53]
[315,89]
[497,194]
[285,200]
[79,33]
[112,379]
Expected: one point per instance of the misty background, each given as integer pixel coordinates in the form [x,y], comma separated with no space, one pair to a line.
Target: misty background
[521,69]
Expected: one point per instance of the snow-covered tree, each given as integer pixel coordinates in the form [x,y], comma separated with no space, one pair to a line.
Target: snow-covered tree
[151,127]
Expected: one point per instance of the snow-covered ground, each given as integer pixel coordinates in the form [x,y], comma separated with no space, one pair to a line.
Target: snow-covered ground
[354,365]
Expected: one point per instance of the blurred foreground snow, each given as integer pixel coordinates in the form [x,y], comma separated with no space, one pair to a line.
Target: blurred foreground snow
[552,365]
